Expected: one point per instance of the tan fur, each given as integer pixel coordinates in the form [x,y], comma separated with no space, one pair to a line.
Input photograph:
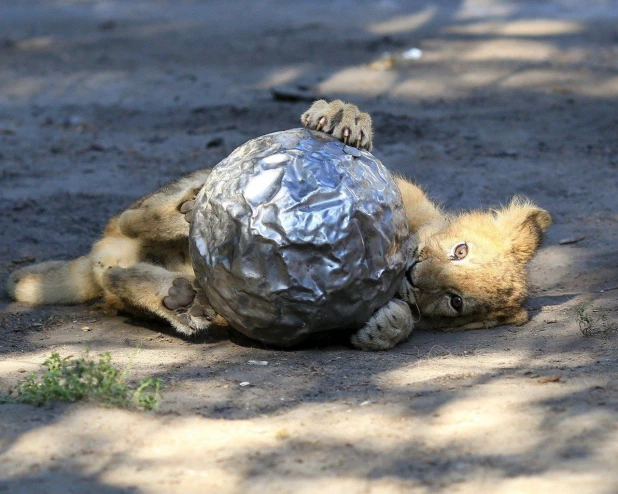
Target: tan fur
[142,263]
[54,282]
[143,250]
[491,279]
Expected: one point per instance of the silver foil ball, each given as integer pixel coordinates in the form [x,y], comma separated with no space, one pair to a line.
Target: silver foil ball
[295,233]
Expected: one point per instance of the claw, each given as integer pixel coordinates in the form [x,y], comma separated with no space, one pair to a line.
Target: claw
[321,123]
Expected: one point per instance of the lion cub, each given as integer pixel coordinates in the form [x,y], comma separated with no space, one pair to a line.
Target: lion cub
[467,272]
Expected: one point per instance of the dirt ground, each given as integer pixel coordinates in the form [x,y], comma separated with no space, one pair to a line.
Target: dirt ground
[103,101]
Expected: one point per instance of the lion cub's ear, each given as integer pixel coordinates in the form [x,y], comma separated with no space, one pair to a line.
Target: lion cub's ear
[525,225]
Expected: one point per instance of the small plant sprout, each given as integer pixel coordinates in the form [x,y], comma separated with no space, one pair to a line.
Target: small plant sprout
[593,321]
[97,381]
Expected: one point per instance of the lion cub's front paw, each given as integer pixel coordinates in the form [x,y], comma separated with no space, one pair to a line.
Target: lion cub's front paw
[389,326]
[342,120]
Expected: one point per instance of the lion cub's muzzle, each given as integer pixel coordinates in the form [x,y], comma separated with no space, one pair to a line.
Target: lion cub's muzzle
[410,275]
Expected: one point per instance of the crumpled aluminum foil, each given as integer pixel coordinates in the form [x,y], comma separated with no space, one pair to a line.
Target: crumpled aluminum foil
[295,233]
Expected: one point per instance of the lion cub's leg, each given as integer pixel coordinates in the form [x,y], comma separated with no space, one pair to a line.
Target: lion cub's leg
[342,120]
[389,326]
[165,214]
[167,294]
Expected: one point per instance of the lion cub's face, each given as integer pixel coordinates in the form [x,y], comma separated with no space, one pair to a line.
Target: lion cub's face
[471,273]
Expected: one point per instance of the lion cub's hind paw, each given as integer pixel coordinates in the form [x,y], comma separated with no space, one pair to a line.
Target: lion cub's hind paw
[343,121]
[186,208]
[181,294]
[191,313]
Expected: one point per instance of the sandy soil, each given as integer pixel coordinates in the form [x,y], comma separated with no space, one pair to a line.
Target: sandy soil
[103,101]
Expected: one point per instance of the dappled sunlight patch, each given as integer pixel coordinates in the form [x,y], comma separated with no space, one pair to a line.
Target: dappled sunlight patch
[489,423]
[563,481]
[553,264]
[473,9]
[585,426]
[607,452]
[425,87]
[105,83]
[404,23]
[284,75]
[603,89]
[120,448]
[14,369]
[506,49]
[96,442]
[537,78]
[483,76]
[479,435]
[522,28]
[37,43]
[438,362]
[20,87]
[359,80]
[328,484]
[84,438]
[492,66]
[503,416]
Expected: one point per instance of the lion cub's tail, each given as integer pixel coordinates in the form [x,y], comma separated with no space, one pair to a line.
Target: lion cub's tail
[54,282]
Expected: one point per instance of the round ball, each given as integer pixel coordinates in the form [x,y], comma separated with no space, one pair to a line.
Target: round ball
[295,233]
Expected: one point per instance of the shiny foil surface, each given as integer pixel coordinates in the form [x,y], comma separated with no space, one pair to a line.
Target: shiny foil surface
[295,233]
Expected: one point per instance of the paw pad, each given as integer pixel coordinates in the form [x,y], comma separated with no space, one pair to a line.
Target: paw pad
[181,294]
[186,208]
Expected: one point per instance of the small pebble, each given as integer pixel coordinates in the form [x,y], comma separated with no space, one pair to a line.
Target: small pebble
[86,328]
[573,240]
[550,379]
[73,121]
[215,142]
[282,434]
[258,362]
[245,383]
[412,54]
[294,94]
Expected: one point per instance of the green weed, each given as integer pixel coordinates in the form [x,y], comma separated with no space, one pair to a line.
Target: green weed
[591,324]
[85,379]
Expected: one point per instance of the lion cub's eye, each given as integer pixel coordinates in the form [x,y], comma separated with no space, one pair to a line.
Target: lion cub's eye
[456,302]
[460,252]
